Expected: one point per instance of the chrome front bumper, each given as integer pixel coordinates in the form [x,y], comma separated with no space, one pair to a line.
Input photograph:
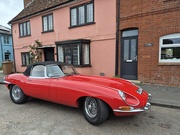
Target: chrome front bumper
[136,110]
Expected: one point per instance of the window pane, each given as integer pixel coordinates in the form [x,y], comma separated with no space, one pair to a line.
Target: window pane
[7,39]
[126,49]
[85,54]
[133,49]
[76,60]
[90,13]
[4,39]
[73,17]
[28,28]
[27,59]
[21,30]
[171,41]
[45,23]
[68,56]
[7,56]
[23,59]
[50,22]
[38,71]
[24,29]
[60,54]
[81,15]
[130,33]
[170,53]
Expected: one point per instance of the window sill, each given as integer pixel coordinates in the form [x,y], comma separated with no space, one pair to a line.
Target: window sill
[24,65]
[91,23]
[169,64]
[47,31]
[82,66]
[24,36]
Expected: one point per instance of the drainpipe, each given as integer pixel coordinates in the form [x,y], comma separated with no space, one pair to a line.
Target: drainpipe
[1,47]
[117,35]
[13,48]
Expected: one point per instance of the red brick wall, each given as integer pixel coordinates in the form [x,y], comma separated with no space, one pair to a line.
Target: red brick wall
[153,18]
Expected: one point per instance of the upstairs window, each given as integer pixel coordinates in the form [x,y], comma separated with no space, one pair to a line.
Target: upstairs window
[170,48]
[47,23]
[82,15]
[6,39]
[24,29]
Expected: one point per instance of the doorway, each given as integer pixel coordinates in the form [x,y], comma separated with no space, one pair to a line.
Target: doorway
[129,54]
[49,54]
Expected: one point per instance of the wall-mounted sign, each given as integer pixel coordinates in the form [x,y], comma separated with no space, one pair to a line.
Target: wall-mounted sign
[149,44]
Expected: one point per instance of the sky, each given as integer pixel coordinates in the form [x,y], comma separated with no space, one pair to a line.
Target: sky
[9,9]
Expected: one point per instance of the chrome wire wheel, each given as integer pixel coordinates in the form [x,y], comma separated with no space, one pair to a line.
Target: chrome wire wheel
[95,110]
[91,107]
[16,93]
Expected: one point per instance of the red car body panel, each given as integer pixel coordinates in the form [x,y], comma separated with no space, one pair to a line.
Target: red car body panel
[68,90]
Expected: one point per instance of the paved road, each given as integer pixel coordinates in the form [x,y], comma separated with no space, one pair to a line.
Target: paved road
[39,117]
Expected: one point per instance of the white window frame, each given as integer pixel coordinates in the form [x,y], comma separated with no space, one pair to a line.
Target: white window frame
[176,35]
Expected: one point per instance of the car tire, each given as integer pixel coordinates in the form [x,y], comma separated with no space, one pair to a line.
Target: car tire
[17,95]
[95,110]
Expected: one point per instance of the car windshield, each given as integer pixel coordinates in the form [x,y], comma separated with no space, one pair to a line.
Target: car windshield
[68,70]
[54,71]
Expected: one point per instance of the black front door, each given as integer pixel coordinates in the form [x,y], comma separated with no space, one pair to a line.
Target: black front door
[49,54]
[129,58]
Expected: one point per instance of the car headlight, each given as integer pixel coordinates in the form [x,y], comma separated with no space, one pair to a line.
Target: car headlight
[122,94]
[128,98]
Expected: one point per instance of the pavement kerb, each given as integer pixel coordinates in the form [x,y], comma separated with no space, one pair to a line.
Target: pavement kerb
[165,105]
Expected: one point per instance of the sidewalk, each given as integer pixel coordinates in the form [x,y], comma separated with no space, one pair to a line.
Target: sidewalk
[161,95]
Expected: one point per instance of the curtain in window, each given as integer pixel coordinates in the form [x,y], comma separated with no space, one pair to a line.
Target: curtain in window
[61,54]
[50,22]
[73,17]
[23,60]
[28,28]
[85,54]
[81,15]
[24,28]
[90,13]
[21,30]
[45,23]
[76,58]
[27,59]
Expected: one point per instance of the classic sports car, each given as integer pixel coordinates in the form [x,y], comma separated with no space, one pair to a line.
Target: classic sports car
[96,95]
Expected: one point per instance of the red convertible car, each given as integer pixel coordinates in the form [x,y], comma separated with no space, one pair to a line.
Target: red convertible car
[96,95]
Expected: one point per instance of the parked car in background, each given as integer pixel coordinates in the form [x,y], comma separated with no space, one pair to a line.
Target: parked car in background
[61,83]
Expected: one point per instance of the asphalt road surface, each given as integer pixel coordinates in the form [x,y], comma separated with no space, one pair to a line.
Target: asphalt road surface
[38,117]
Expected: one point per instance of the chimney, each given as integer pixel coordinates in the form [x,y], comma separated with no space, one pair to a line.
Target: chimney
[27,2]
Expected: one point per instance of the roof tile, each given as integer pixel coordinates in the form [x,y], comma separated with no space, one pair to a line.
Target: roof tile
[38,6]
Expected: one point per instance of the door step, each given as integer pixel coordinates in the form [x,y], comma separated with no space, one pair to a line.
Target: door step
[135,81]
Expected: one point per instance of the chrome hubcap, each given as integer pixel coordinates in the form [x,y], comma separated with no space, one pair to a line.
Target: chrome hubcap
[91,107]
[16,93]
